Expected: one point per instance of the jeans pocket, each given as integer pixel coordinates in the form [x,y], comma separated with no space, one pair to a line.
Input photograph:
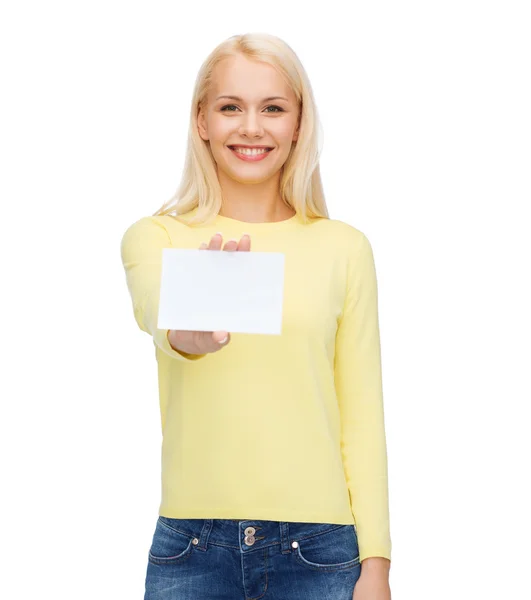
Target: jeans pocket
[170,545]
[332,550]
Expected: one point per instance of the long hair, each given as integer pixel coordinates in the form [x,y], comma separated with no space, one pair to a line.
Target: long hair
[300,183]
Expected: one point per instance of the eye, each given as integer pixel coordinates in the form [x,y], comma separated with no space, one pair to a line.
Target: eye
[271,106]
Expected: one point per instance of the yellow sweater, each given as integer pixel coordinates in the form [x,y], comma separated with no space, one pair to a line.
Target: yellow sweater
[278,427]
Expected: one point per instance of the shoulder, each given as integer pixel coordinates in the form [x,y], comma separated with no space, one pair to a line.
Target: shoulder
[342,234]
[151,227]
[143,235]
[144,225]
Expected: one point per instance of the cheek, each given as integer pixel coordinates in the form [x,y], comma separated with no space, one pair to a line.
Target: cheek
[284,132]
[219,130]
[218,135]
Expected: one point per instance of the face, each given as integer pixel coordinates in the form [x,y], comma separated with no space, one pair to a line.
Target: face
[254,119]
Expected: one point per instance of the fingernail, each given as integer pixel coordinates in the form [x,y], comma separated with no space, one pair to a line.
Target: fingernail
[224,340]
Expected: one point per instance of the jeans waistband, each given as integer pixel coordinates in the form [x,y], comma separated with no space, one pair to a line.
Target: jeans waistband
[247,535]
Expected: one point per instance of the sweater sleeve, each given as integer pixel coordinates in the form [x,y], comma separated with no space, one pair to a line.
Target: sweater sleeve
[141,252]
[358,377]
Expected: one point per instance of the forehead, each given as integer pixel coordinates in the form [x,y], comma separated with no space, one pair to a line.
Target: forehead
[248,79]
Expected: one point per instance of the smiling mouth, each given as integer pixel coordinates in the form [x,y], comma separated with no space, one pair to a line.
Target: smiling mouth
[249,156]
[251,148]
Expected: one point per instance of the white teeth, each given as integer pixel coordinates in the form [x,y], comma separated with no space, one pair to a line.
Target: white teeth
[251,151]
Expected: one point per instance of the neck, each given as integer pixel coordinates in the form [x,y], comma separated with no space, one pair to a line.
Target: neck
[254,203]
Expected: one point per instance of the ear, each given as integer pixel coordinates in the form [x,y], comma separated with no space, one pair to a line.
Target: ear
[201,125]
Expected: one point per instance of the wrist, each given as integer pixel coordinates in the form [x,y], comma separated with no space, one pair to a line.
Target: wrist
[376,566]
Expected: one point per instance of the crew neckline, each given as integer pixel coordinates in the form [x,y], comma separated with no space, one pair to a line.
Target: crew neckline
[221,219]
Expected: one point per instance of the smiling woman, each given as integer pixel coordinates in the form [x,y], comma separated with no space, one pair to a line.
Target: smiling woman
[274,466]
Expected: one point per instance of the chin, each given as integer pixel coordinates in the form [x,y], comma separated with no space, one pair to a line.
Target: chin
[249,180]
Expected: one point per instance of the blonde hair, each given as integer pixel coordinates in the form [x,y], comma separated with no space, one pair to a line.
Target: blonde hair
[300,183]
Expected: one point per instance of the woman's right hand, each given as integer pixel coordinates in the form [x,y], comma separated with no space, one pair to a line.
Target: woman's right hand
[204,342]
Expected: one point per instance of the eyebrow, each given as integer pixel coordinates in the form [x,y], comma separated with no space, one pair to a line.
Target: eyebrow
[264,100]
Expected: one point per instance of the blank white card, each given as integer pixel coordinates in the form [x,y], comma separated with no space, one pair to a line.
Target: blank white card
[214,290]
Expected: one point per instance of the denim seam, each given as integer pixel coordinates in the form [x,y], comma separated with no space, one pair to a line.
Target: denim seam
[185,533]
[307,537]
[325,567]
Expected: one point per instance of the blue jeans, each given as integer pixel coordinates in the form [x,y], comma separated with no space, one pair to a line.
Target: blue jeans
[225,559]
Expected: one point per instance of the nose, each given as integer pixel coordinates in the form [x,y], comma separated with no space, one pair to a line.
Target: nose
[250,125]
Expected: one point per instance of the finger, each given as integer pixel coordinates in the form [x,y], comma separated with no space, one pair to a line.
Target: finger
[215,242]
[222,338]
[203,246]
[231,245]
[245,243]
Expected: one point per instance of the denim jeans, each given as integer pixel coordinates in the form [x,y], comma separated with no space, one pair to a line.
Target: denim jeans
[225,559]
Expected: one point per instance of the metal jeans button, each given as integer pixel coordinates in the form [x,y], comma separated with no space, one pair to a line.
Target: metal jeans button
[249,540]
[250,531]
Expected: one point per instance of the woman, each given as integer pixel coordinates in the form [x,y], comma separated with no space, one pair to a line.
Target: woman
[274,465]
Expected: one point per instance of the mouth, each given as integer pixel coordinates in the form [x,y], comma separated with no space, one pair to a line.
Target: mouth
[268,148]
[252,154]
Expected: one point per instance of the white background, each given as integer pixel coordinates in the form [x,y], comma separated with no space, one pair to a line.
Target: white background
[426,115]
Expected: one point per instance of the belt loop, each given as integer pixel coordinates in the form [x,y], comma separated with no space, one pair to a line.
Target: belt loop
[205,533]
[284,537]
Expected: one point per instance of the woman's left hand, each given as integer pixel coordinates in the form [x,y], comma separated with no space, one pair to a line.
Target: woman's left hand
[371,587]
